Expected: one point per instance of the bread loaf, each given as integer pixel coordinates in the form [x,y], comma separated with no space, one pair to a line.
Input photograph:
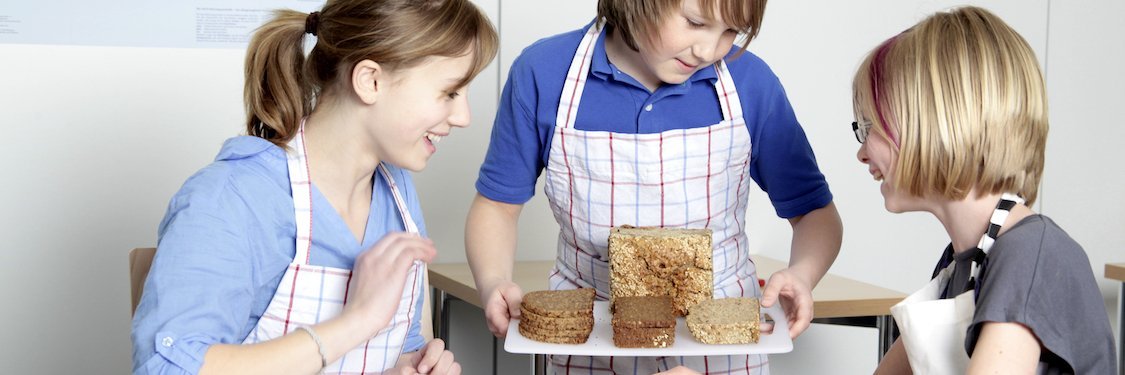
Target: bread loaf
[661,262]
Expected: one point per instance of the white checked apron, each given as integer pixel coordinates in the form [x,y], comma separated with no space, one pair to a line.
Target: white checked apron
[933,329]
[310,294]
[687,178]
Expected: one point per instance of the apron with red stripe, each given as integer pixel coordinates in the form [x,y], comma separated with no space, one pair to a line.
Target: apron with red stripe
[684,178]
[311,294]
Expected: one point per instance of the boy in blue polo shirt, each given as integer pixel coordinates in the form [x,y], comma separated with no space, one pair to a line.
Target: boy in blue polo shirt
[649,117]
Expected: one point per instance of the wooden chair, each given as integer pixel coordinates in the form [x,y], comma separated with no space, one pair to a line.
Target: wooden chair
[140,259]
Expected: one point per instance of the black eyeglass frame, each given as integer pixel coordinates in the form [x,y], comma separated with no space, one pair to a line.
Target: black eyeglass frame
[861,129]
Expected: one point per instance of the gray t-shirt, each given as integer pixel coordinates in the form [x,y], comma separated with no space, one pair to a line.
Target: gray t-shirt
[1036,275]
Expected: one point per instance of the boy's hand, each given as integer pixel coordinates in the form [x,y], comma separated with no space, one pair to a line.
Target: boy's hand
[795,296]
[501,305]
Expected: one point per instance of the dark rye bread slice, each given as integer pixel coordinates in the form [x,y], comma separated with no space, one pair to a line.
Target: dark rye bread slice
[725,321]
[560,303]
[643,312]
[555,332]
[558,316]
[643,322]
[546,322]
[644,337]
[556,339]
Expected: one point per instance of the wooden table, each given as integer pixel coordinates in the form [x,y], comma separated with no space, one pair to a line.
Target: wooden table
[836,300]
[1116,271]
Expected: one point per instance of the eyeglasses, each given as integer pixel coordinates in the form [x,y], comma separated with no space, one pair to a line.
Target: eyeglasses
[860,129]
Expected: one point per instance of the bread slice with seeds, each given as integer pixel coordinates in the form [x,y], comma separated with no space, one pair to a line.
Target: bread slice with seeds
[560,303]
[726,321]
[558,316]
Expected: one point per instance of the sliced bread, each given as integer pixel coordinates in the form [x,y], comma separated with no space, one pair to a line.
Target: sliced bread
[725,321]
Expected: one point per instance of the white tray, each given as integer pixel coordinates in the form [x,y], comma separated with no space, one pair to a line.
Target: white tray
[601,340]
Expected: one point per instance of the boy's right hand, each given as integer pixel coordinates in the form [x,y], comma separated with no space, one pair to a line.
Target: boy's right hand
[378,279]
[501,305]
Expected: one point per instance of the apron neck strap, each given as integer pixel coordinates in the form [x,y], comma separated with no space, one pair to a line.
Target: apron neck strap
[301,185]
[403,209]
[999,215]
[300,182]
[579,70]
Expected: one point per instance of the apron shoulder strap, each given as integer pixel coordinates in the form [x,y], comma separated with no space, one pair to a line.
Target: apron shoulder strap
[999,216]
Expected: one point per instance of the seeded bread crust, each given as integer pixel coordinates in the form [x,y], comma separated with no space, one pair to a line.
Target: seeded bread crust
[726,321]
[661,261]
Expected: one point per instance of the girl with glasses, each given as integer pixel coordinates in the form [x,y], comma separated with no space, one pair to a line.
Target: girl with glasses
[952,117]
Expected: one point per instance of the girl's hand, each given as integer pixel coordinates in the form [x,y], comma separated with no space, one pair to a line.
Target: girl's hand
[678,370]
[379,276]
[795,296]
[501,305]
[434,359]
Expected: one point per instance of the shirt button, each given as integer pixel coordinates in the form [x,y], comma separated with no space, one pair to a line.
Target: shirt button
[167,342]
[648,108]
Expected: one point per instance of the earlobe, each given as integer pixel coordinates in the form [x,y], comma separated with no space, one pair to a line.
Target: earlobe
[367,80]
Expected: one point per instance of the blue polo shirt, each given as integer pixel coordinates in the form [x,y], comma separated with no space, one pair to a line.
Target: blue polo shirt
[781,161]
[226,240]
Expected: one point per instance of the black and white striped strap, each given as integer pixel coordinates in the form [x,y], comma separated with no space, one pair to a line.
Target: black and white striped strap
[1003,208]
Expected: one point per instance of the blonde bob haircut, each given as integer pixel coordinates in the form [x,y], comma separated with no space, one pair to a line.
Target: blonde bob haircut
[282,85]
[961,96]
[643,18]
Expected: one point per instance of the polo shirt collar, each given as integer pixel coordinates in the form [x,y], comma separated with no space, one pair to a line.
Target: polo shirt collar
[600,67]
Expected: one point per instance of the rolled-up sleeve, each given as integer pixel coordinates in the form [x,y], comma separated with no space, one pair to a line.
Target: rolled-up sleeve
[515,152]
[782,160]
[199,291]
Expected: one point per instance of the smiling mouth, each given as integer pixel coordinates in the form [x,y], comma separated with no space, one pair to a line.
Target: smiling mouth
[434,138]
[686,65]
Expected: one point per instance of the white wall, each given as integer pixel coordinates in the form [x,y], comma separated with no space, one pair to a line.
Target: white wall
[98,138]
[96,141]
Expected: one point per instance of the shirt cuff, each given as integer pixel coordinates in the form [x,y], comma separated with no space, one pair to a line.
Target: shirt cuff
[807,203]
[185,352]
[491,190]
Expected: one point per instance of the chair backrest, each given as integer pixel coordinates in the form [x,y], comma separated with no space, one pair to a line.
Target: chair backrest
[140,259]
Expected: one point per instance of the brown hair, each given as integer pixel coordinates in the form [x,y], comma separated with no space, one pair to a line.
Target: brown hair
[633,18]
[282,85]
[964,94]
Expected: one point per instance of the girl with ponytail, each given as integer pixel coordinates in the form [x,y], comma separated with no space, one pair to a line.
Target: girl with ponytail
[301,249]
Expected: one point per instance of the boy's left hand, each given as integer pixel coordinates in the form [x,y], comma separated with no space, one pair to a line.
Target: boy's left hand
[795,296]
